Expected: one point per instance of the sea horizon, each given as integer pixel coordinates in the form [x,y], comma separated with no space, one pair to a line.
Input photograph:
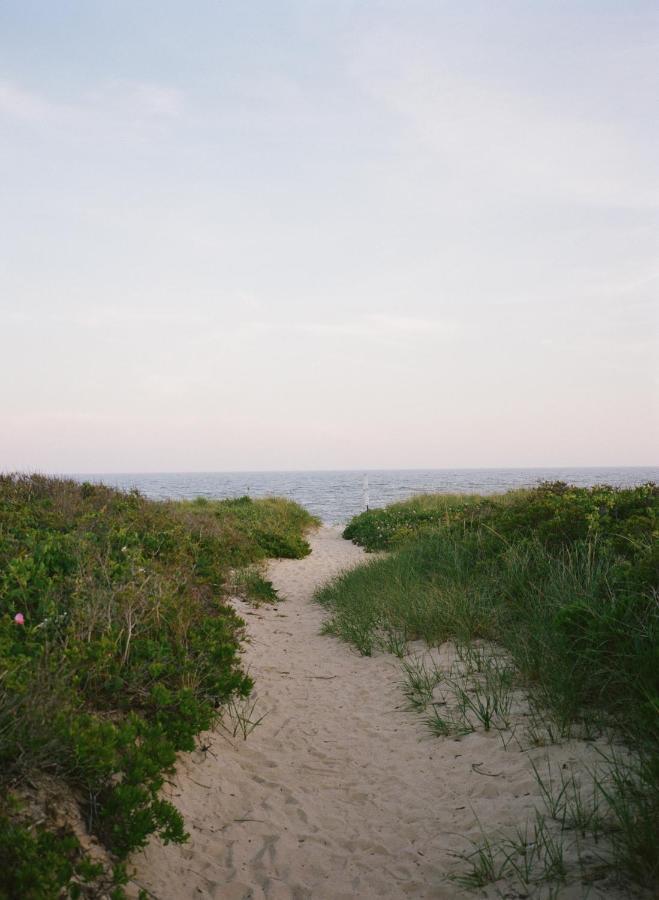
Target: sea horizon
[335,495]
[66,474]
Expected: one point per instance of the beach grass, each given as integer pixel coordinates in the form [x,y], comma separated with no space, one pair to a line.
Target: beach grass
[117,649]
[558,586]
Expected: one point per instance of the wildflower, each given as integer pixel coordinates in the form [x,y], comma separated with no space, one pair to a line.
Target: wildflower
[19,618]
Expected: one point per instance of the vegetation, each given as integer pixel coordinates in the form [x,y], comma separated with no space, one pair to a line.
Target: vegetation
[383,529]
[559,586]
[116,650]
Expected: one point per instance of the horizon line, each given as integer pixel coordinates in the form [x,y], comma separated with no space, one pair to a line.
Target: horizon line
[127,472]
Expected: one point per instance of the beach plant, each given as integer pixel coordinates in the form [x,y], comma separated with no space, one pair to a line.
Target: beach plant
[117,648]
[394,641]
[383,529]
[575,606]
[553,591]
[484,865]
[444,721]
[482,686]
[629,788]
[420,681]
[251,584]
[242,718]
[534,859]
[573,804]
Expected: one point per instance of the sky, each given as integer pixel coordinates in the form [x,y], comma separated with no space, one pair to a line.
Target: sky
[324,234]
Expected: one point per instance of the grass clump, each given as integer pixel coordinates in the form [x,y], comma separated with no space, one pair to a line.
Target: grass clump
[533,858]
[242,530]
[565,582]
[250,584]
[565,579]
[116,650]
[388,527]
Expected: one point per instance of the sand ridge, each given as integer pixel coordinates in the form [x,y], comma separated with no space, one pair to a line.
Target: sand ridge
[339,792]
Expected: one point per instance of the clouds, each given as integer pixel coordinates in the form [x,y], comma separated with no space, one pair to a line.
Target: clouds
[225,329]
[376,327]
[499,136]
[107,114]
[139,100]
[423,218]
[17,102]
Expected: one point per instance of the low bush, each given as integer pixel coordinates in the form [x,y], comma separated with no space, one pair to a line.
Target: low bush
[565,579]
[116,650]
[388,527]
[36,863]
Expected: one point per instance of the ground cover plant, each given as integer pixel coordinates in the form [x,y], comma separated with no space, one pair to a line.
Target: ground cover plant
[116,650]
[563,581]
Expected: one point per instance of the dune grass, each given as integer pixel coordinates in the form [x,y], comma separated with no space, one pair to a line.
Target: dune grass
[563,583]
[116,650]
[244,530]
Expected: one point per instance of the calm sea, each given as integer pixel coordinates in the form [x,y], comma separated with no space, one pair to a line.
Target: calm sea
[337,496]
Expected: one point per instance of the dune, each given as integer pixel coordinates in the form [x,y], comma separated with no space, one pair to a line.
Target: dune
[339,791]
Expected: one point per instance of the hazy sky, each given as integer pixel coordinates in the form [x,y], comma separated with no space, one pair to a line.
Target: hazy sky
[328,233]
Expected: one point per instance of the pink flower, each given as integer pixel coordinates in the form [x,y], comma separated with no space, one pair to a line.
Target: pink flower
[19,618]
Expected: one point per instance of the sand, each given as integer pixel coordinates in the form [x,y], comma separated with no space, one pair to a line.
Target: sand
[340,791]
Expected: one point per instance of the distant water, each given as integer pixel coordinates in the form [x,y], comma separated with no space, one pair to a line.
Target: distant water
[337,496]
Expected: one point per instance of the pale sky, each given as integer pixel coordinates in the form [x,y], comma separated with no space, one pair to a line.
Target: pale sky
[282,234]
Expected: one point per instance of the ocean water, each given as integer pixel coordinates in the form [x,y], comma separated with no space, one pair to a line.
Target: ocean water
[337,496]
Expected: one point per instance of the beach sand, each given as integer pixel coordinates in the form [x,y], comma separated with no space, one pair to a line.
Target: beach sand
[340,791]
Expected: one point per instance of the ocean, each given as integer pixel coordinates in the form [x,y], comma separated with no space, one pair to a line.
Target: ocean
[337,496]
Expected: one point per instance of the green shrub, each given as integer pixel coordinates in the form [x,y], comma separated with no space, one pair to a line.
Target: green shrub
[37,863]
[565,579]
[123,650]
[388,527]
[553,513]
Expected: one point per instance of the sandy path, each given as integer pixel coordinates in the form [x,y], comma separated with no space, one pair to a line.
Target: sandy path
[339,792]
